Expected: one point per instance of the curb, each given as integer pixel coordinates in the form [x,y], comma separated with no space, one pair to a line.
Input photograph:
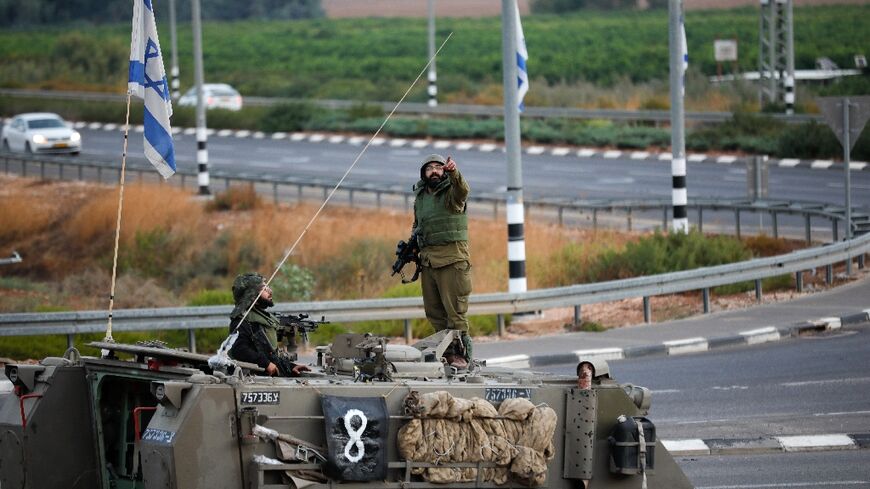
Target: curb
[683,346]
[441,144]
[774,444]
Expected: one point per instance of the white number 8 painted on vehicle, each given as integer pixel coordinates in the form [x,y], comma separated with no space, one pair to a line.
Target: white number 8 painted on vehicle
[355,435]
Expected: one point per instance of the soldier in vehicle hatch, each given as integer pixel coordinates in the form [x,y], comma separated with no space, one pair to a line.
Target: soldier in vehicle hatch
[441,229]
[258,334]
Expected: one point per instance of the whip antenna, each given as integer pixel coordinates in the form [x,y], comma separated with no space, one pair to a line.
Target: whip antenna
[346,173]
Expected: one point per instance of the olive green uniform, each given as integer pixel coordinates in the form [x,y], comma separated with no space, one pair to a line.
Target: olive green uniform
[441,225]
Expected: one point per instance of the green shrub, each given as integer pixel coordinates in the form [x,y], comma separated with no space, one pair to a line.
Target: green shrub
[211,297]
[288,117]
[235,198]
[293,283]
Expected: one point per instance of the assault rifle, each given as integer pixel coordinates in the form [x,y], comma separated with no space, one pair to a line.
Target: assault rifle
[407,252]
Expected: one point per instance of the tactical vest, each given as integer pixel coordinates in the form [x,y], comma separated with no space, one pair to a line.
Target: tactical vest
[436,225]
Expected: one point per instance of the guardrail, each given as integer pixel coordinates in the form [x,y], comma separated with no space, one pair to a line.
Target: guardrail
[560,210]
[441,109]
[704,279]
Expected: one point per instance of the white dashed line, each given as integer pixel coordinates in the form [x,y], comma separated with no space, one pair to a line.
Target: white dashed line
[726,159]
[464,146]
[177,130]
[419,143]
[139,129]
[378,141]
[243,133]
[397,143]
[110,127]
[821,164]
[336,139]
[487,148]
[224,133]
[95,125]
[687,447]
[612,154]
[536,150]
[80,124]
[697,158]
[189,131]
[316,138]
[789,162]
[560,151]
[442,144]
[586,153]
[857,165]
[356,140]
[639,155]
[298,136]
[666,157]
[259,135]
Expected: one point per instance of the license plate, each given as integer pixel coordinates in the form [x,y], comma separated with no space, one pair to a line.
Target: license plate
[60,145]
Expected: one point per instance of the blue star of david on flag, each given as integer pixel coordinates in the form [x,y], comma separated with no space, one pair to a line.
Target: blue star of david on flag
[148,81]
[522,57]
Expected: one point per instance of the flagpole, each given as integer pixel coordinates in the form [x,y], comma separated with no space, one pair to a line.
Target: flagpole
[118,222]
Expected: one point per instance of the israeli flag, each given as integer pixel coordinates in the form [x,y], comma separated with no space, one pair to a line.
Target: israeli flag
[148,81]
[684,48]
[522,57]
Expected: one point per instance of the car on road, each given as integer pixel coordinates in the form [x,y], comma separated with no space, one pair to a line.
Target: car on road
[40,132]
[215,96]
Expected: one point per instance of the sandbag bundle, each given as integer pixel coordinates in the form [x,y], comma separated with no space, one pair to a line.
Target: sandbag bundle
[517,437]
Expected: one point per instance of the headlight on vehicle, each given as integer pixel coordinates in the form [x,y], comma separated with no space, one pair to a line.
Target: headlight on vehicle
[76,137]
[39,139]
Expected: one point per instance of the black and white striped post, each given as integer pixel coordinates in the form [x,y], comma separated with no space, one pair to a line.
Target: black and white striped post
[679,196]
[173,39]
[201,131]
[788,82]
[515,213]
[433,87]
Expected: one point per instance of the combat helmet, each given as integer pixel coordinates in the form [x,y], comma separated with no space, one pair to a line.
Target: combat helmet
[246,290]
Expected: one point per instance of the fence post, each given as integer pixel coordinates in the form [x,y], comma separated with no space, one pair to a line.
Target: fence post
[595,219]
[378,199]
[737,222]
[191,340]
[42,170]
[275,192]
[100,174]
[705,293]
[81,175]
[665,217]
[700,219]
[829,274]
[60,171]
[775,222]
[408,332]
[577,316]
[495,209]
[561,219]
[834,230]
[500,320]
[799,281]
[861,261]
[647,310]
[629,219]
[70,340]
[807,230]
[349,197]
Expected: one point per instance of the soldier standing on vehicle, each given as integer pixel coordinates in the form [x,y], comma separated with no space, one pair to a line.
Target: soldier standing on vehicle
[441,227]
[258,333]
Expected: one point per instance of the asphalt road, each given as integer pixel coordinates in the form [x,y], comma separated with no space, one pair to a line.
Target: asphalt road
[544,175]
[810,385]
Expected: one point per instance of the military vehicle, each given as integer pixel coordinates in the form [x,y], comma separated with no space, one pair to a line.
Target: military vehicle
[368,414]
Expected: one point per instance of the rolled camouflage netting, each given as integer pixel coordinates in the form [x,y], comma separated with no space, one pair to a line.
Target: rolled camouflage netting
[518,437]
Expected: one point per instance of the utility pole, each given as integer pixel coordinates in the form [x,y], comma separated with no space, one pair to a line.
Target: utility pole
[174,41]
[201,135]
[433,87]
[776,53]
[515,209]
[679,194]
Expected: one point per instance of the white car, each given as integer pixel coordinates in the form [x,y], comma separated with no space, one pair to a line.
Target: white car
[215,96]
[40,132]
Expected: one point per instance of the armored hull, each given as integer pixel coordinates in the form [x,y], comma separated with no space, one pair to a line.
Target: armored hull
[165,419]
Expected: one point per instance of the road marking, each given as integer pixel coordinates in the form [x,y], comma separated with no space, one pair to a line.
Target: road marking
[760,335]
[730,388]
[356,140]
[80,124]
[789,162]
[611,154]
[815,442]
[789,484]
[110,127]
[487,148]
[464,146]
[442,144]
[224,133]
[396,143]
[295,159]
[140,129]
[666,156]
[243,133]
[687,447]
[336,139]
[668,391]
[601,353]
[378,141]
[405,152]
[536,150]
[843,413]
[839,185]
[298,136]
[726,159]
[821,164]
[561,151]
[826,381]
[688,345]
[316,138]
[176,130]
[639,155]
[586,153]
[516,361]
[259,135]
[857,165]
[695,158]
[95,125]
[419,143]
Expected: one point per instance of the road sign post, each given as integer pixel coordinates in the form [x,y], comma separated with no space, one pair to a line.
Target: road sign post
[846,116]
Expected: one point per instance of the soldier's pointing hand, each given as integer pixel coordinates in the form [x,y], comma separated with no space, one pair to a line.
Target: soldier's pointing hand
[450,165]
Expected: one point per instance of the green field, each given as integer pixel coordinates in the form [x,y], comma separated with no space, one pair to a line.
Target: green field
[376,59]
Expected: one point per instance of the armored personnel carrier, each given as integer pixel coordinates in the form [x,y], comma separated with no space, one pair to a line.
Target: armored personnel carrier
[368,414]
